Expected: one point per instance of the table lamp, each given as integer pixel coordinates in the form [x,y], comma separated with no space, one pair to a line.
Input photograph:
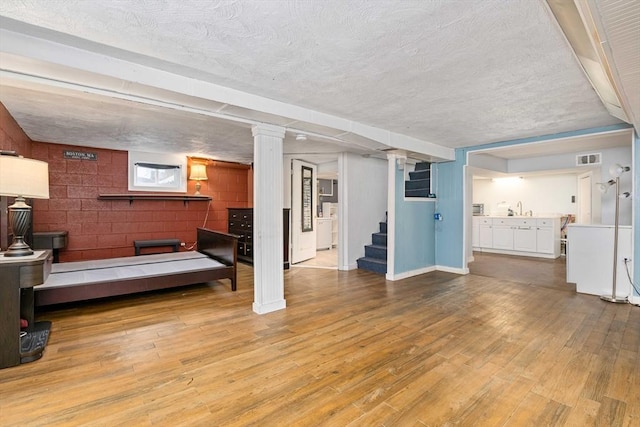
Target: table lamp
[198,173]
[22,178]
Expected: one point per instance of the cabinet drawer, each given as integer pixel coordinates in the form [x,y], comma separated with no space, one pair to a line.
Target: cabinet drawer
[248,249]
[525,222]
[545,222]
[487,221]
[239,225]
[505,221]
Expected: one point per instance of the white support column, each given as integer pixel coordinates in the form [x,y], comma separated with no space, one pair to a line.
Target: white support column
[268,276]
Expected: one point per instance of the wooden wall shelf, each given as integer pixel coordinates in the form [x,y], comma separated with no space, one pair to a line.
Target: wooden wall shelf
[166,197]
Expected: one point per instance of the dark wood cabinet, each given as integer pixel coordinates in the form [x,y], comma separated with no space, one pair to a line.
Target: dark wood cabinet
[240,223]
[19,276]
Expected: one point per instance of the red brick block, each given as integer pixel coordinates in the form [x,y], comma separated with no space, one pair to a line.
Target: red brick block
[64,205]
[80,192]
[96,228]
[63,178]
[83,242]
[87,167]
[106,216]
[90,180]
[95,205]
[111,240]
[81,217]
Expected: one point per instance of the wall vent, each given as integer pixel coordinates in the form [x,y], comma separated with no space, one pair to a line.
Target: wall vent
[588,159]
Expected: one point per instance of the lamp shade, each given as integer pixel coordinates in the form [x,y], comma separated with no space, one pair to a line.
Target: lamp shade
[617,170]
[198,172]
[24,177]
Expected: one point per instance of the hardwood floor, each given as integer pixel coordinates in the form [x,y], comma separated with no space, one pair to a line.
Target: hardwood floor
[349,350]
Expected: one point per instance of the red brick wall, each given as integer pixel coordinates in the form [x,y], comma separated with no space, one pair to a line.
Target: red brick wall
[107,228]
[12,137]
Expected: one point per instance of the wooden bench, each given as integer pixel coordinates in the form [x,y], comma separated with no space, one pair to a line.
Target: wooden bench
[159,243]
[215,259]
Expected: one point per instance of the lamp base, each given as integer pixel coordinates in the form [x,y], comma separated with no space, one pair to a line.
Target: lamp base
[18,248]
[614,299]
[19,219]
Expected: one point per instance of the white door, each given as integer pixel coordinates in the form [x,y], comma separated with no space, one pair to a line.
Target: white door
[304,202]
[584,199]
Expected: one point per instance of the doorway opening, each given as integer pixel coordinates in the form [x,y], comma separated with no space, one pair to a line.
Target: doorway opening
[324,253]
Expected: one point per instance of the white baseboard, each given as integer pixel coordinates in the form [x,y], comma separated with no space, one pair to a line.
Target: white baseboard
[348,267]
[268,308]
[424,270]
[406,274]
[452,269]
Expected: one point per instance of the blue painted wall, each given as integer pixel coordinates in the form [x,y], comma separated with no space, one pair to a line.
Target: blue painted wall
[450,231]
[414,231]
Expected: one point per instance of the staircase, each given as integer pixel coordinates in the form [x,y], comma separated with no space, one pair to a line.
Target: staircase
[375,255]
[419,183]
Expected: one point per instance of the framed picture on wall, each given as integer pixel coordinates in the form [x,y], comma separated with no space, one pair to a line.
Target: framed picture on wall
[307,199]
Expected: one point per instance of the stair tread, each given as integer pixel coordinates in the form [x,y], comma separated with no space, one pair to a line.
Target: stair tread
[373,245]
[374,260]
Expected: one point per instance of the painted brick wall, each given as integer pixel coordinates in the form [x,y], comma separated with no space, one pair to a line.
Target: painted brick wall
[106,229]
[12,137]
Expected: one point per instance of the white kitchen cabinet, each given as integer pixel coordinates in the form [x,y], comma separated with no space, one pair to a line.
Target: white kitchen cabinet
[525,236]
[485,232]
[525,239]
[544,236]
[590,259]
[323,236]
[502,237]
[475,232]
[502,233]
[548,236]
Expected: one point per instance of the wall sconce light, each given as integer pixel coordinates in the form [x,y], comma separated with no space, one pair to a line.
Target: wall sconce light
[615,171]
[198,173]
[301,137]
[22,178]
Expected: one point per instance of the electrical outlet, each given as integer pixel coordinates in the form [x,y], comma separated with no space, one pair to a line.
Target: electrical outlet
[183,244]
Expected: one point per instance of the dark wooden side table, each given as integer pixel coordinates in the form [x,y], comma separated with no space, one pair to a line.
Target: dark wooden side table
[18,276]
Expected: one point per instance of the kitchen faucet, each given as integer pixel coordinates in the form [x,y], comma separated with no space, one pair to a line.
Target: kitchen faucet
[519,205]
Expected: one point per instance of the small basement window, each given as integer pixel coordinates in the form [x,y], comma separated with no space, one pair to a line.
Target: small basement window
[157,172]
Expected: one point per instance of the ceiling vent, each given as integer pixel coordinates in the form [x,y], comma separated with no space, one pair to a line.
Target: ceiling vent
[588,159]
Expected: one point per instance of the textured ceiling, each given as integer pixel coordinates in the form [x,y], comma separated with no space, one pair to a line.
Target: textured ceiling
[450,73]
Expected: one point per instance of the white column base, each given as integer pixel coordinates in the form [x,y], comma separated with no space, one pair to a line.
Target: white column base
[269,307]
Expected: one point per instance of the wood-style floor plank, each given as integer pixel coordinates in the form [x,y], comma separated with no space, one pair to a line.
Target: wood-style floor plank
[510,344]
